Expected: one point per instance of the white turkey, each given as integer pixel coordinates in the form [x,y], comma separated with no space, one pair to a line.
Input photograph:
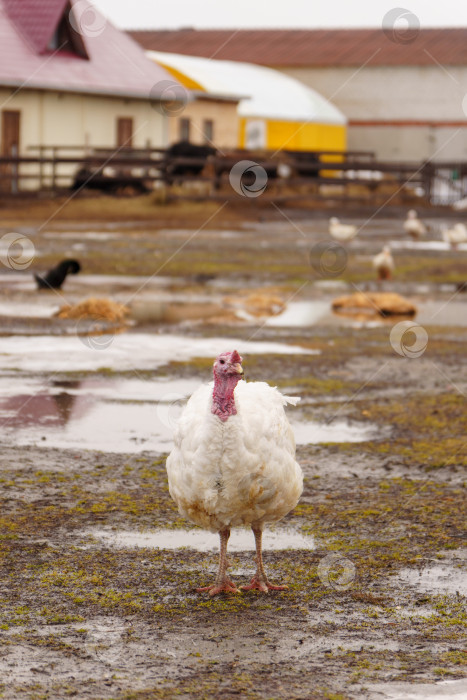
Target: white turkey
[341,232]
[233,462]
[455,235]
[384,263]
[413,225]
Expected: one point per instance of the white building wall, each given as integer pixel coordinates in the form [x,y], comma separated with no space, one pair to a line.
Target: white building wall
[380,100]
[63,119]
[410,143]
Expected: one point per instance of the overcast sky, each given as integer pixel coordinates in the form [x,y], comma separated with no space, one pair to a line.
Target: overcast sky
[173,14]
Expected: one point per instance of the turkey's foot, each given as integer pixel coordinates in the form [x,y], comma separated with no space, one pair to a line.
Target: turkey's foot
[226,586]
[263,585]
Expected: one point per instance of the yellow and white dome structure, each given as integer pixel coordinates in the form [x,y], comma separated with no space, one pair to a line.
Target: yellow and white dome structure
[275,111]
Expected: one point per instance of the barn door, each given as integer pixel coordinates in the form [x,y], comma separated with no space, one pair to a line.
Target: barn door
[10,147]
[124,132]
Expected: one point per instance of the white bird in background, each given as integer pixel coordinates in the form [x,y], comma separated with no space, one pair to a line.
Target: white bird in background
[233,462]
[413,225]
[384,264]
[460,205]
[341,232]
[455,235]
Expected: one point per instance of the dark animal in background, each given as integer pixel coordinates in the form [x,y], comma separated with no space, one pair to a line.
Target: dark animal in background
[111,180]
[56,277]
[185,158]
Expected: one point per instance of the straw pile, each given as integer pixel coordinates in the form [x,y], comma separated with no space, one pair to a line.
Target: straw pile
[95,309]
[257,303]
[382,303]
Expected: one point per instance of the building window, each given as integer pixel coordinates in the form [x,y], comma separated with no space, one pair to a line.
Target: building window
[208,130]
[66,37]
[124,132]
[184,129]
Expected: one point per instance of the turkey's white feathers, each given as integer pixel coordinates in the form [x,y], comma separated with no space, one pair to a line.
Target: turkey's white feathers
[240,471]
[384,262]
[413,225]
[341,232]
[456,234]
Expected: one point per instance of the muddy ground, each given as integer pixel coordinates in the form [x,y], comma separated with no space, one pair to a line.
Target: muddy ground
[376,606]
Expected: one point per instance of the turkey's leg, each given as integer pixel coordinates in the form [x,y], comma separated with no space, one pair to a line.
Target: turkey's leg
[222,584]
[260,580]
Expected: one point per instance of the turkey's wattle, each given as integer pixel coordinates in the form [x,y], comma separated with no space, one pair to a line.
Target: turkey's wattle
[233,462]
[226,378]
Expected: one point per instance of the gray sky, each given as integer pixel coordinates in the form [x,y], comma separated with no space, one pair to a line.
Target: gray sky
[173,14]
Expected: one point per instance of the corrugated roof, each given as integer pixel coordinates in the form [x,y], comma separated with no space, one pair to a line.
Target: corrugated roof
[262,92]
[310,47]
[116,65]
[36,20]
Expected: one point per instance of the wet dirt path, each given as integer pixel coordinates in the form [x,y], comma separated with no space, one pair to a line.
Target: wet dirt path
[374,554]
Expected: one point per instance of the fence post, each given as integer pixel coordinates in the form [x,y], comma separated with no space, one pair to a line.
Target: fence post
[41,168]
[427,174]
[14,170]
[53,167]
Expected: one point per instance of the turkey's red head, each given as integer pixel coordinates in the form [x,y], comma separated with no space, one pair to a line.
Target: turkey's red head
[228,364]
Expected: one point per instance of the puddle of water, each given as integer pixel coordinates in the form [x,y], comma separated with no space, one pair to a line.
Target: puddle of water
[309,313]
[332,285]
[438,578]
[301,313]
[119,415]
[447,690]
[22,310]
[90,235]
[25,281]
[111,415]
[241,540]
[337,431]
[424,245]
[123,280]
[443,313]
[122,352]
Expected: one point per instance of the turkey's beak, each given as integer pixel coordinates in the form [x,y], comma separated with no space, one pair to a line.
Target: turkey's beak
[238,368]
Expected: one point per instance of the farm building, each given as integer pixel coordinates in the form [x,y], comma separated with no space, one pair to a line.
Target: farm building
[68,78]
[275,111]
[403,98]
[211,117]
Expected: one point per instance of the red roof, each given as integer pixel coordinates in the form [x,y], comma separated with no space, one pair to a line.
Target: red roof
[110,63]
[35,21]
[312,47]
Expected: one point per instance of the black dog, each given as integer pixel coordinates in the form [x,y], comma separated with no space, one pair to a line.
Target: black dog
[56,277]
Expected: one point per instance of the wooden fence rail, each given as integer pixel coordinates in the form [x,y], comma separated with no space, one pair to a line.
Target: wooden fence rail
[64,167]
